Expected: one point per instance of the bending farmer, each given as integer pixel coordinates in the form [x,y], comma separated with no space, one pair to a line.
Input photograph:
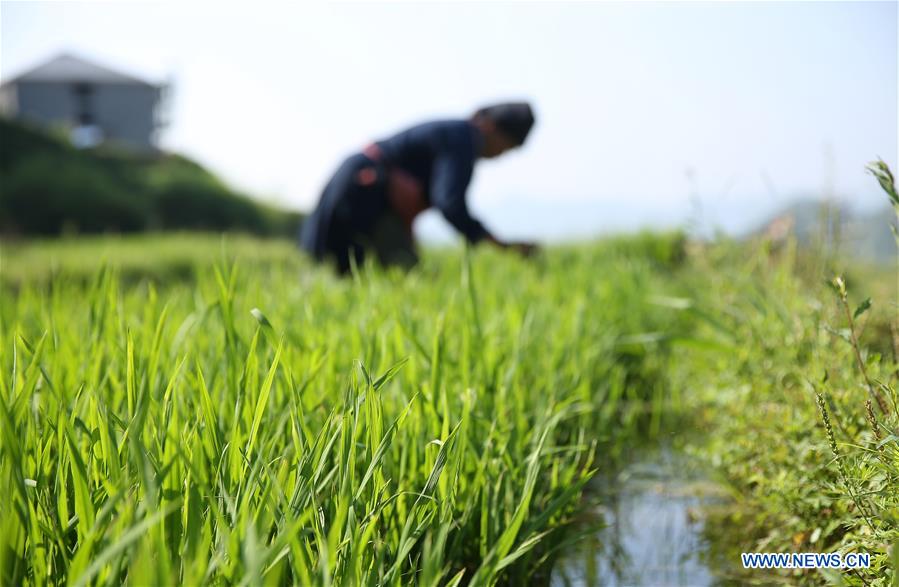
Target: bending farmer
[370,202]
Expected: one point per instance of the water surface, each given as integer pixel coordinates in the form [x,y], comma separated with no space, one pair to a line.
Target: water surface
[652,511]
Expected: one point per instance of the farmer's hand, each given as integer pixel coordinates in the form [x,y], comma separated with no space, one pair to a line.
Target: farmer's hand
[525,249]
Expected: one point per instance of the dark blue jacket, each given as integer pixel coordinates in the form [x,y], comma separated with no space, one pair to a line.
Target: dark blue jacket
[440,155]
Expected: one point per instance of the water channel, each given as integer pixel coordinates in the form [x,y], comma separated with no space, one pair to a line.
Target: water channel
[651,512]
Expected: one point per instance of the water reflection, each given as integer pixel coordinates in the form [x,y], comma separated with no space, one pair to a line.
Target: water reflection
[653,533]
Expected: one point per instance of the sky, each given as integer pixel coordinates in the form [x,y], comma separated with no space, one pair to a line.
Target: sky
[713,114]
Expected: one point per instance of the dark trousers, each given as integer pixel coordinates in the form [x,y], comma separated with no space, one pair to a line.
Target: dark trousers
[352,219]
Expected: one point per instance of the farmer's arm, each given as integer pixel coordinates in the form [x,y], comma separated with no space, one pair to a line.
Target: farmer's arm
[449,181]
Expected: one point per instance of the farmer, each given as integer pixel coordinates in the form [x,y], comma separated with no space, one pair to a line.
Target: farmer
[370,202]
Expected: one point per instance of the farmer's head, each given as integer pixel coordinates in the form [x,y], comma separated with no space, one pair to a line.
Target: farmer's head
[503,126]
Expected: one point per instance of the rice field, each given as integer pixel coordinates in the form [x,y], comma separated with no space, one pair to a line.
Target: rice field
[205,410]
[263,422]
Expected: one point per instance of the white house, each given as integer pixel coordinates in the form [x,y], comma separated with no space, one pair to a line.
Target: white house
[95,103]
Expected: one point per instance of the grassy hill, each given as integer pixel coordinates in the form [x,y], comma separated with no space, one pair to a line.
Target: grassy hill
[51,188]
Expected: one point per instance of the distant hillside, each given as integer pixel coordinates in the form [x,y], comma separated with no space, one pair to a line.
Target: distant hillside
[48,187]
[814,223]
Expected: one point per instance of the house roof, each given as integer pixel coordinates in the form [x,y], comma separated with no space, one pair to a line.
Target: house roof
[68,68]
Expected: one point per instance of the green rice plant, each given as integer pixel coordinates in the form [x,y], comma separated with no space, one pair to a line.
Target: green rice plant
[253,420]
